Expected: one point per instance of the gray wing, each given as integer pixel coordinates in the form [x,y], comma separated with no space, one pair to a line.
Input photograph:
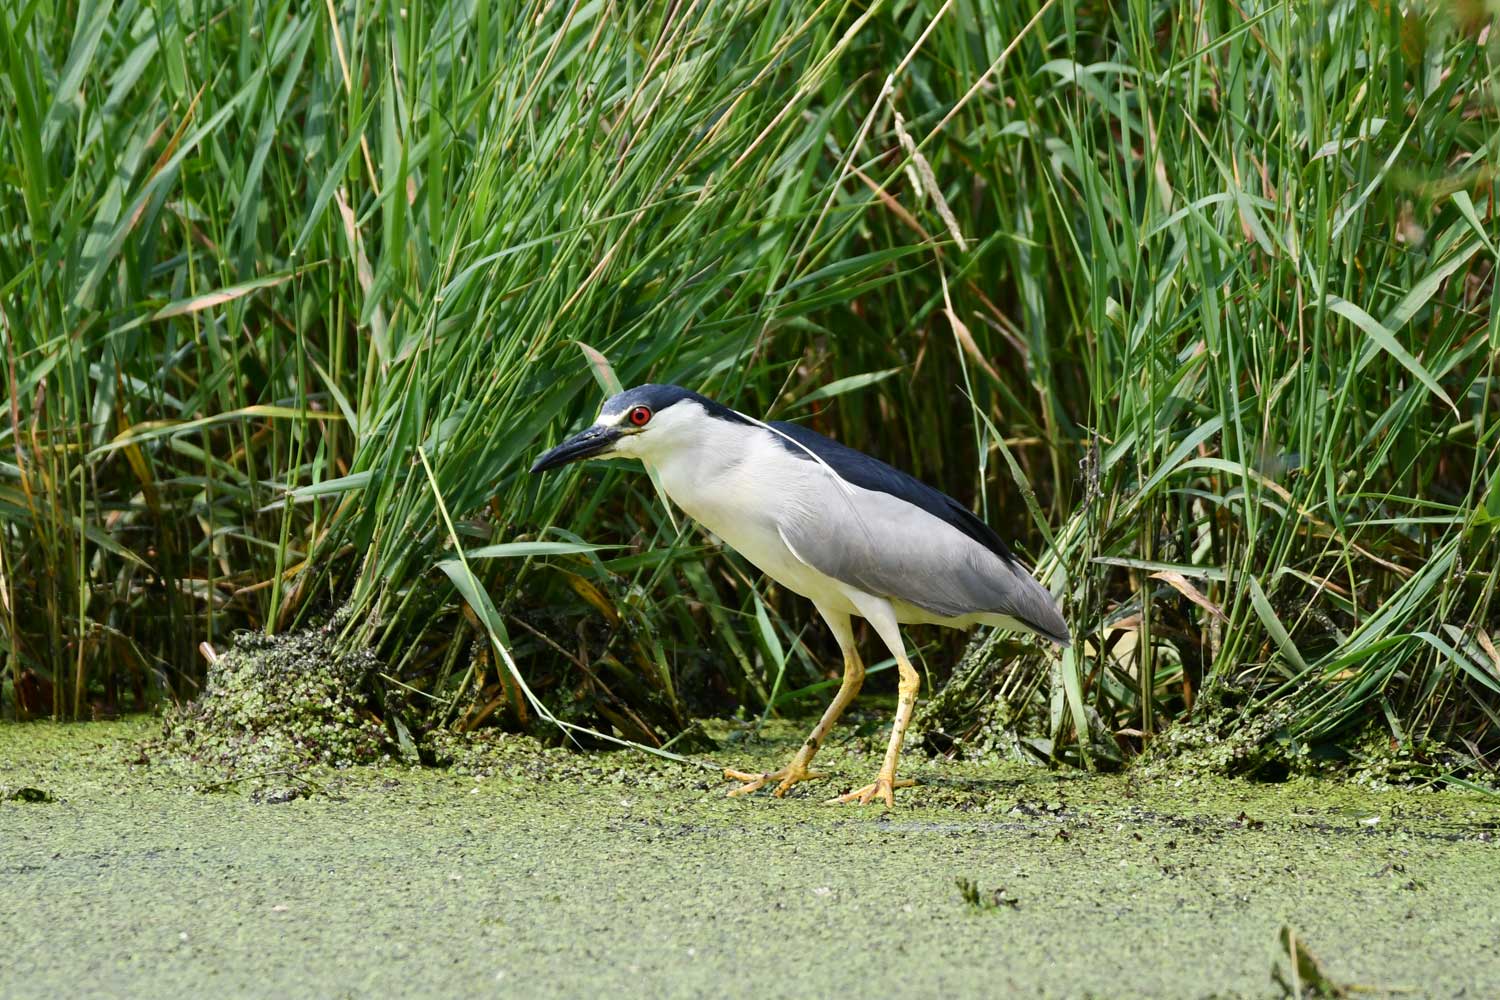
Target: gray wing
[891,548]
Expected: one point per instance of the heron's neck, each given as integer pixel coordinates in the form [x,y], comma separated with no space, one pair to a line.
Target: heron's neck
[701,477]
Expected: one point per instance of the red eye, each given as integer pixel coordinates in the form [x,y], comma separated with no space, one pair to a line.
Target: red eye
[640,416]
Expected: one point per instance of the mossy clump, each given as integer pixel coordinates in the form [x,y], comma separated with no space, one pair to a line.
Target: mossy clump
[991,709]
[1262,745]
[1230,743]
[1381,763]
[274,709]
[485,752]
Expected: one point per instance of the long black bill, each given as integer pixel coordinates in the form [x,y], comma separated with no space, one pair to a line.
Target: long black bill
[593,441]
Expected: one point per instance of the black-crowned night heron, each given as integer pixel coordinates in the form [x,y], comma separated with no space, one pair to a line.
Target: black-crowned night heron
[846,531]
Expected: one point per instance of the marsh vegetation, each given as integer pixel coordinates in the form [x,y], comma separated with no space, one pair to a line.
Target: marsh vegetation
[1194,301]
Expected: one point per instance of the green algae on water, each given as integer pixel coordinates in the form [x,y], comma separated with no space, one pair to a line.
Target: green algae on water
[540,872]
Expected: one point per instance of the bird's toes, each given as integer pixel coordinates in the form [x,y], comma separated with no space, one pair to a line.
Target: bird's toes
[795,777]
[753,782]
[746,788]
[883,789]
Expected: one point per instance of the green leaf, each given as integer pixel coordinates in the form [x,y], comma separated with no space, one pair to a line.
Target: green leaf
[1423,290]
[847,384]
[1465,206]
[478,599]
[604,372]
[771,642]
[1279,635]
[152,429]
[207,300]
[512,550]
[1387,342]
[1073,691]
[328,487]
[333,178]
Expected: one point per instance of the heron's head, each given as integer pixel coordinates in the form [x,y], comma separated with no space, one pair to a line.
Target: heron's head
[646,422]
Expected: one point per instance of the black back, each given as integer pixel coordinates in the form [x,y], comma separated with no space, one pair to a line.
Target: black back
[873,474]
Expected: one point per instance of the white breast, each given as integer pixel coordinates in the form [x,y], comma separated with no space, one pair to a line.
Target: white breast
[736,484]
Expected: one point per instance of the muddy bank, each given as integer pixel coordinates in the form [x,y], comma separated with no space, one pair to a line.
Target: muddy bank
[525,873]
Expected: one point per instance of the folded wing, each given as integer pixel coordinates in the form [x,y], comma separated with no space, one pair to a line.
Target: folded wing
[903,539]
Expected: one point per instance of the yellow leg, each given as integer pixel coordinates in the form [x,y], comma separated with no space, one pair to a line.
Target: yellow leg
[882,617]
[797,769]
[885,784]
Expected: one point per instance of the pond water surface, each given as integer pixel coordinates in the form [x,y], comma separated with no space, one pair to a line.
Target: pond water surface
[556,874]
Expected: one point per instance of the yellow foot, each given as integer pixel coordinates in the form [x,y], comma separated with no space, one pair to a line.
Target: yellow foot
[754,782]
[884,788]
